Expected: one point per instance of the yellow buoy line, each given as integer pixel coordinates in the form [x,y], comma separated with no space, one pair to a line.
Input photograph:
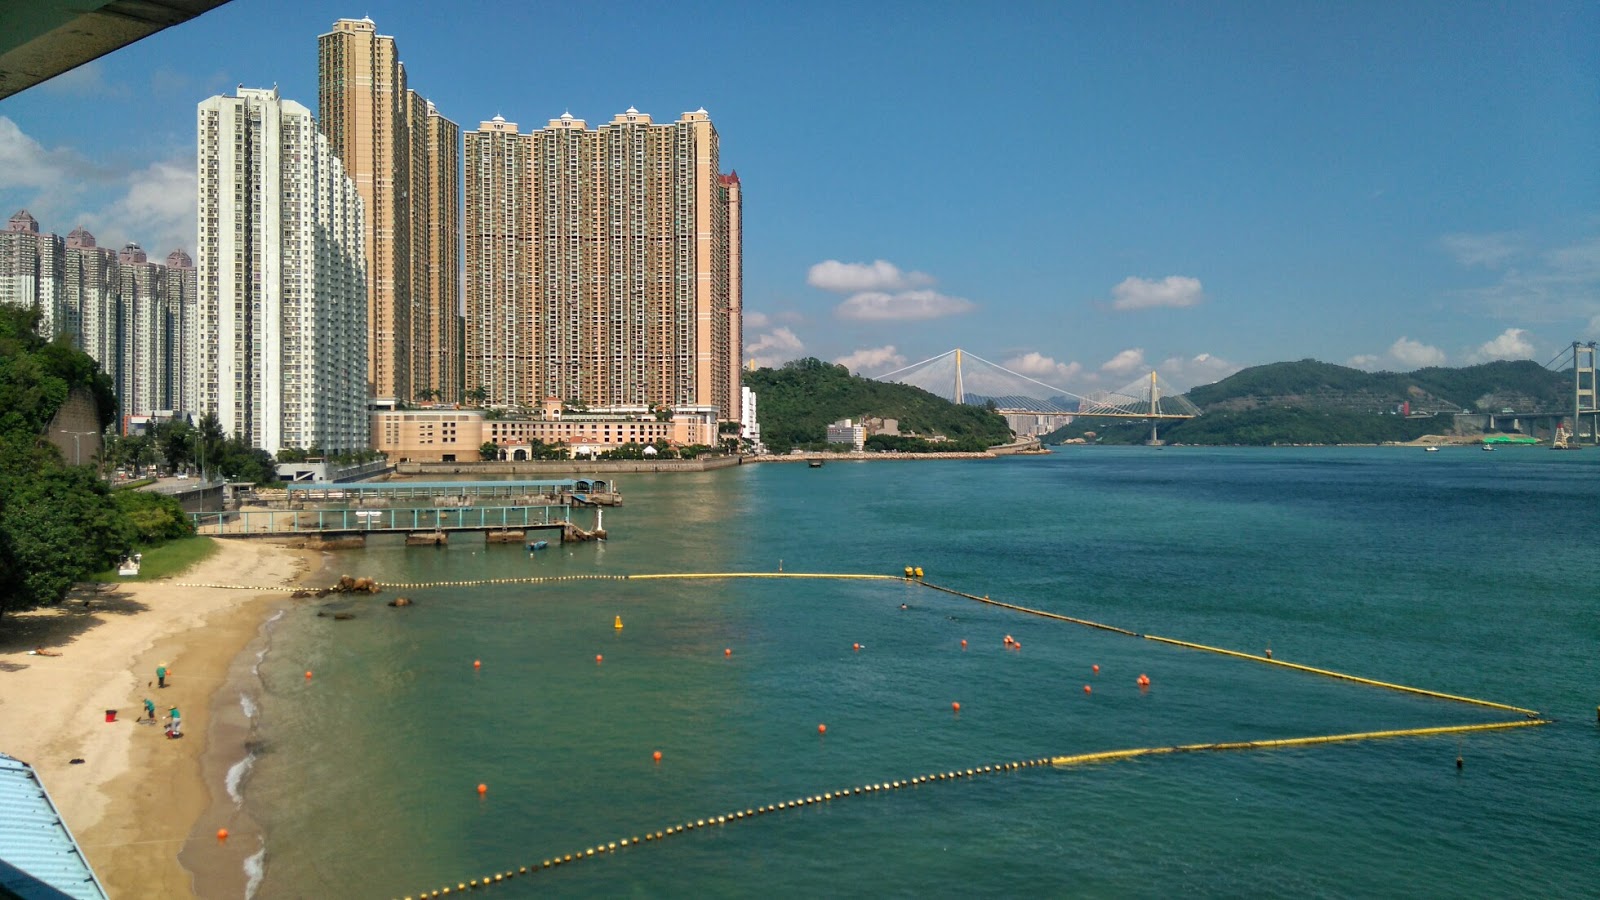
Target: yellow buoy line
[1328,673]
[828,797]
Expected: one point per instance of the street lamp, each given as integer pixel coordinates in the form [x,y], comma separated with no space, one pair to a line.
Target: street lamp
[77,445]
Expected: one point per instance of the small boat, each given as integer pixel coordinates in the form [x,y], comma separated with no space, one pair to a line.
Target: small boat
[815,463]
[1433,449]
[1488,448]
[538,545]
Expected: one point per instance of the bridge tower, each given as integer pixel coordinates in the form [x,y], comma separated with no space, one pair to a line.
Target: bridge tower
[1583,391]
[961,394]
[1155,411]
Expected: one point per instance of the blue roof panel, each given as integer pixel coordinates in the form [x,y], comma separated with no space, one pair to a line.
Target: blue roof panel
[38,857]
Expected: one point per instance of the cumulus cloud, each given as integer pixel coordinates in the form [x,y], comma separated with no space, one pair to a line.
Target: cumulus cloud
[1186,372]
[1124,363]
[1512,343]
[1487,250]
[774,348]
[850,278]
[26,165]
[756,320]
[905,306]
[1037,365]
[1144,293]
[1364,361]
[878,359]
[157,209]
[1415,354]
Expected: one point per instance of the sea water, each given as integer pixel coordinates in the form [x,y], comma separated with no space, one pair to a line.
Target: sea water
[1458,571]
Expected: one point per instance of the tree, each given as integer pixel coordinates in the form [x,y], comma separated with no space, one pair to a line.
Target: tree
[174,439]
[57,524]
[478,395]
[209,442]
[489,451]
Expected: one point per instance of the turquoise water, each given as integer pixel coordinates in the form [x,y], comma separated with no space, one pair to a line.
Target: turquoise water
[1459,571]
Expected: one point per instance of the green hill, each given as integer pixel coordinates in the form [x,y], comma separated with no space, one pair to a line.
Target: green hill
[798,401]
[1311,402]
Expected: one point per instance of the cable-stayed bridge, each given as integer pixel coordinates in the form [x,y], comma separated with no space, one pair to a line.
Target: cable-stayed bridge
[962,377]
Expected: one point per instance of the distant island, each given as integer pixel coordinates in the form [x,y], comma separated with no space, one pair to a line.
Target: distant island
[1311,402]
[798,400]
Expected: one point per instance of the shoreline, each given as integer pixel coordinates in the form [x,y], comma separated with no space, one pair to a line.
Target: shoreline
[136,800]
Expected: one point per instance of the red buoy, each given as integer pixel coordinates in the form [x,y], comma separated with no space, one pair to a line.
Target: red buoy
[1097,668]
[822,729]
[728,651]
[483,789]
[856,647]
[657,756]
[1087,689]
[308,674]
[222,834]
[956,706]
[477,664]
[599,658]
[963,643]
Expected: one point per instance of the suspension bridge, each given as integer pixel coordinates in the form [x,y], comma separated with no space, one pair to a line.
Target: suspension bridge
[1033,407]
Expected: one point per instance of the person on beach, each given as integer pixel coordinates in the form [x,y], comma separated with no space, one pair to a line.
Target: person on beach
[161,676]
[175,727]
[149,709]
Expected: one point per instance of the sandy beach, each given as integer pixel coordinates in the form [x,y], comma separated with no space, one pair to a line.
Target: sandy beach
[137,797]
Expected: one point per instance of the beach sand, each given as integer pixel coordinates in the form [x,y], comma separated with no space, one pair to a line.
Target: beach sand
[138,797]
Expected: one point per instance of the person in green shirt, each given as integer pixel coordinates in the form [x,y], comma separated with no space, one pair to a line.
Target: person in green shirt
[175,728]
[149,709]
[161,676]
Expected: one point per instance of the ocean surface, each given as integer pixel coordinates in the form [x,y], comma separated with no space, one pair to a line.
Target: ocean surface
[1464,572]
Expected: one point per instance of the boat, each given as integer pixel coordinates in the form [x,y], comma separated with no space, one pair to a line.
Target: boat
[1433,449]
[1488,448]
[538,545]
[815,463]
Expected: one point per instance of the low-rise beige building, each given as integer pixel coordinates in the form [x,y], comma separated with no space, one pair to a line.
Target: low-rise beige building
[457,435]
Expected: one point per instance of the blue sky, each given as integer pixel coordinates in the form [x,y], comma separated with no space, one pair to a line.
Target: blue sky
[1081,191]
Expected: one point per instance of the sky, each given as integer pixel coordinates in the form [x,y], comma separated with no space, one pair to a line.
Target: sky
[1079,191]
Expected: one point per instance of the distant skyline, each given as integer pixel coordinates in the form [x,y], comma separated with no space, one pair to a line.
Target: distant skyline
[1078,191]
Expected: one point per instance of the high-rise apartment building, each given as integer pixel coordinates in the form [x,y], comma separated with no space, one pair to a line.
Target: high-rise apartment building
[403,156]
[603,265]
[132,315]
[282,304]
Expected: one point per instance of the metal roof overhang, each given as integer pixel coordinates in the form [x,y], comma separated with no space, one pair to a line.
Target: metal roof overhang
[40,39]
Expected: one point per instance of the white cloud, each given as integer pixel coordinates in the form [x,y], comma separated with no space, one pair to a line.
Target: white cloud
[851,278]
[1415,354]
[1554,285]
[1125,362]
[1487,250]
[756,320]
[25,165]
[879,359]
[1037,365]
[906,306]
[1186,372]
[87,80]
[157,210]
[1364,361]
[1143,293]
[1512,343]
[774,348]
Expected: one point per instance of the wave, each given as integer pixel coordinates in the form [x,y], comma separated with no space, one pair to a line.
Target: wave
[254,868]
[236,774]
[248,705]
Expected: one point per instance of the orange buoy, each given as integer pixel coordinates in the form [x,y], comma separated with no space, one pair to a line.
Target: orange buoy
[727,651]
[1097,668]
[856,647]
[477,664]
[1016,645]
[956,706]
[599,658]
[1087,689]
[657,756]
[483,789]
[308,673]
[222,834]
[963,643]
[822,729]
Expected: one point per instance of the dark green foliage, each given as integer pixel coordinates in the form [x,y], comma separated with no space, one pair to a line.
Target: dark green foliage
[57,523]
[798,401]
[489,450]
[153,517]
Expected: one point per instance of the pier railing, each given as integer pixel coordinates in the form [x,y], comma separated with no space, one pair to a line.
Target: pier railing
[330,521]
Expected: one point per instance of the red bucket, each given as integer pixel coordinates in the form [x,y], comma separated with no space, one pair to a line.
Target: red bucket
[111,715]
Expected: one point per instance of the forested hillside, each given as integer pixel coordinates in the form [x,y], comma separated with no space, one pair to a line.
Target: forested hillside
[797,402]
[1311,402]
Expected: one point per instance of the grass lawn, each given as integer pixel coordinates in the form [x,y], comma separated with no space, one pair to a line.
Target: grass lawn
[165,560]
